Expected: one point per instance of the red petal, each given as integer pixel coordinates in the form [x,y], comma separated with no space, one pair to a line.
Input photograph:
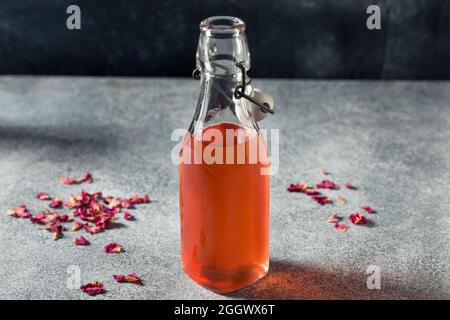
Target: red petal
[19,212]
[357,218]
[333,218]
[298,187]
[92,229]
[113,248]
[144,199]
[368,209]
[128,216]
[128,278]
[81,241]
[67,180]
[327,184]
[341,227]
[93,288]
[310,192]
[87,177]
[77,225]
[348,185]
[57,203]
[40,218]
[43,196]
[322,200]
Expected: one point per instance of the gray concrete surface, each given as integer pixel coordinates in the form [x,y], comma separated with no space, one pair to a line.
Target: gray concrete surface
[390,139]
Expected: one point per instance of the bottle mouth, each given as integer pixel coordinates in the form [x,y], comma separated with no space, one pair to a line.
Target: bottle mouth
[222,26]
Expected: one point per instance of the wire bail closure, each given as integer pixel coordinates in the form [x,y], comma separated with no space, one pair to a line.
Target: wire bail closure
[239,92]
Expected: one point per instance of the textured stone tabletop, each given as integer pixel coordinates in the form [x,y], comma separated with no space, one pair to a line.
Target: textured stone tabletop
[390,139]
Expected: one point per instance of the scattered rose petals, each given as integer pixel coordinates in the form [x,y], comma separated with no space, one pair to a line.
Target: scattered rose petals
[333,218]
[128,278]
[112,248]
[368,209]
[357,218]
[93,288]
[327,184]
[298,187]
[43,196]
[128,216]
[341,199]
[56,203]
[322,200]
[341,227]
[19,212]
[81,241]
[348,185]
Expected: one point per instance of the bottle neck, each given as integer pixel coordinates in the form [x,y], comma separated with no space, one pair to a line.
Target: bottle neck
[222,44]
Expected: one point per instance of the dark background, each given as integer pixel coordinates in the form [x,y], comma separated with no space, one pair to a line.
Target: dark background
[288,38]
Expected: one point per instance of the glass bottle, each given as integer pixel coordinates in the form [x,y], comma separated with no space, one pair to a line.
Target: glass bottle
[224,184]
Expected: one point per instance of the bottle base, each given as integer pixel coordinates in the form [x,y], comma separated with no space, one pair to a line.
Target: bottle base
[228,281]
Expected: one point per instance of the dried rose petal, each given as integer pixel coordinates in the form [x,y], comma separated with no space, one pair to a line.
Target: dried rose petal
[333,218]
[324,172]
[134,199]
[128,278]
[357,218]
[348,185]
[298,187]
[322,200]
[92,229]
[67,180]
[55,227]
[93,288]
[311,192]
[40,218]
[113,247]
[56,203]
[64,218]
[43,196]
[81,241]
[87,177]
[77,225]
[368,209]
[19,212]
[327,184]
[341,199]
[341,227]
[127,215]
[144,199]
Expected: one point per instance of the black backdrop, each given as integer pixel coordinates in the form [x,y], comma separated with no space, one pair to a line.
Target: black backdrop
[288,38]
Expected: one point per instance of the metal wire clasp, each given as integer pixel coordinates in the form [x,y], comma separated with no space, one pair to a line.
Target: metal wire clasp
[239,92]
